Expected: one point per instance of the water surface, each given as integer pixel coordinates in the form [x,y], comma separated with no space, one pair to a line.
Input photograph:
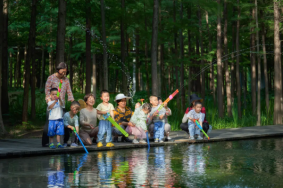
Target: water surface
[247,163]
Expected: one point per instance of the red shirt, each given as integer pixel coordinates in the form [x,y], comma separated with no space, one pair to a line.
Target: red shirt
[202,111]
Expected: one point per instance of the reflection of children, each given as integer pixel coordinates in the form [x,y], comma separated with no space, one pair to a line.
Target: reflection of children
[158,119]
[105,168]
[56,125]
[71,121]
[137,125]
[193,115]
[55,178]
[105,125]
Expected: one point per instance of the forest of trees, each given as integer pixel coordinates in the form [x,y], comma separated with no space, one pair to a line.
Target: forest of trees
[223,49]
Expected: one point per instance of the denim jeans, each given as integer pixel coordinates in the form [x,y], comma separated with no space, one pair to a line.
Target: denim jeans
[159,130]
[193,129]
[104,127]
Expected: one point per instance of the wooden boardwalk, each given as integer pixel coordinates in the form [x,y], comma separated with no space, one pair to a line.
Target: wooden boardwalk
[29,147]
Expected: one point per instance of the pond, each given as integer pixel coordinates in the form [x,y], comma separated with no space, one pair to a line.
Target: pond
[246,163]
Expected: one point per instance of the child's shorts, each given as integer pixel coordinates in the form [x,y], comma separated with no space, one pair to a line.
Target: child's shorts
[55,127]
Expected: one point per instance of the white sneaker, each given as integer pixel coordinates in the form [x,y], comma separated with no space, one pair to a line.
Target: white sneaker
[161,141]
[168,138]
[142,141]
[156,140]
[135,141]
[199,137]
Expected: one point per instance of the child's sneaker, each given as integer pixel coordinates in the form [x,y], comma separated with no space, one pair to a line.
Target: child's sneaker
[59,145]
[99,144]
[169,138]
[74,145]
[65,145]
[199,137]
[109,144]
[142,141]
[192,138]
[161,141]
[135,141]
[52,146]
[156,140]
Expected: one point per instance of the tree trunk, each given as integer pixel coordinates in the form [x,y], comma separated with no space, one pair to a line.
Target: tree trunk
[138,66]
[17,68]
[33,82]
[42,68]
[88,48]
[182,90]
[30,54]
[5,99]
[253,67]
[146,56]
[219,66]
[233,80]
[238,62]
[265,67]
[11,69]
[1,60]
[277,67]
[154,79]
[189,52]
[123,49]
[94,74]
[60,42]
[105,65]
[227,74]
[176,53]
[202,77]
[71,61]
[258,68]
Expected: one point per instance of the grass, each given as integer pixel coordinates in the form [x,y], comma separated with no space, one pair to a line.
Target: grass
[14,125]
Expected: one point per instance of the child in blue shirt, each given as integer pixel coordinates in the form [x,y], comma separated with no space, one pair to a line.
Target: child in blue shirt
[56,125]
[71,121]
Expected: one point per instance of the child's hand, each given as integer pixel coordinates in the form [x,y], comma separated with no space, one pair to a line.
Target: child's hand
[130,124]
[91,126]
[72,128]
[137,105]
[165,105]
[145,131]
[155,114]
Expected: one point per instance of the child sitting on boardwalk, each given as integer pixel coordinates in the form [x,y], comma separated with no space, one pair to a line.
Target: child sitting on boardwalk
[105,126]
[56,125]
[195,114]
[158,119]
[71,121]
[137,125]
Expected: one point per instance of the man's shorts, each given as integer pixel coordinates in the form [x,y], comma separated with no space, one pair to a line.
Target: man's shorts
[55,127]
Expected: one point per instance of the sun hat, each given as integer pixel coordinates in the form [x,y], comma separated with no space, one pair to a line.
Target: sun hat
[194,97]
[121,96]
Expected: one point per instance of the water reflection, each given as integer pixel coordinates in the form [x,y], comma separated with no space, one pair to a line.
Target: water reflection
[250,163]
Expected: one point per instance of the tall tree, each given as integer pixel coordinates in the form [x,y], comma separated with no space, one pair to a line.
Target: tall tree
[88,47]
[227,73]
[277,66]
[219,65]
[138,69]
[33,82]
[258,66]
[61,30]
[265,66]
[182,61]
[202,77]
[105,65]
[253,65]
[123,47]
[71,61]
[154,48]
[31,46]
[42,67]
[94,85]
[1,60]
[4,98]
[189,50]
[238,62]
